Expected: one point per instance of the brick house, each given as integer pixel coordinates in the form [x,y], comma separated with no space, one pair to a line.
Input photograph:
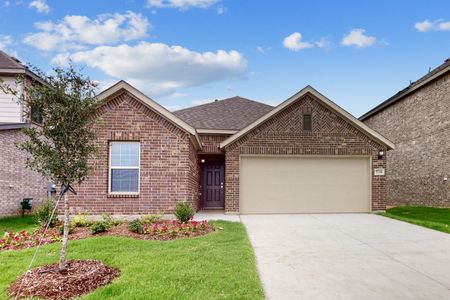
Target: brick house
[16,181]
[417,119]
[305,155]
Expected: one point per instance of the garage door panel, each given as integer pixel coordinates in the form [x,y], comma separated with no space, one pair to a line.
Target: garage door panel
[304,185]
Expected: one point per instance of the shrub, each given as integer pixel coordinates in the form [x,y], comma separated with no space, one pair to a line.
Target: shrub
[184,212]
[80,221]
[150,219]
[61,229]
[136,226]
[43,213]
[109,221]
[98,227]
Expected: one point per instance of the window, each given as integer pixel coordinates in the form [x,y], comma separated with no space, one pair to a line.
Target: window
[124,167]
[307,122]
[36,116]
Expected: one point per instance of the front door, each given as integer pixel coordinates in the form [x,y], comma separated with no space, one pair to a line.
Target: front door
[213,188]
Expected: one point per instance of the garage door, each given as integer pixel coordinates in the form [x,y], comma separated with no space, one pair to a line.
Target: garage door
[304,185]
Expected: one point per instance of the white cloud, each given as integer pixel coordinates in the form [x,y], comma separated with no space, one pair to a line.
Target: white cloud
[75,32]
[181,4]
[221,9]
[5,43]
[40,5]
[263,50]
[357,38]
[294,42]
[324,43]
[161,69]
[438,25]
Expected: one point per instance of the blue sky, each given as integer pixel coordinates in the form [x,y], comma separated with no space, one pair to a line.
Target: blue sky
[185,52]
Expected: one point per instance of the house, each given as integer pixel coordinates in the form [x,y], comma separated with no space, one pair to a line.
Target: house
[16,181]
[305,155]
[417,120]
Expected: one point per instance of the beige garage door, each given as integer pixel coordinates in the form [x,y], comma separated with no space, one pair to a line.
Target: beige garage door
[304,185]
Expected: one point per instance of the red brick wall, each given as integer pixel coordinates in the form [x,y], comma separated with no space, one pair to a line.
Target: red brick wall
[283,135]
[169,165]
[17,181]
[419,125]
[211,142]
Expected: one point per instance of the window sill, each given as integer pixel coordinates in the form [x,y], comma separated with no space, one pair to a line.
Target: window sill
[122,196]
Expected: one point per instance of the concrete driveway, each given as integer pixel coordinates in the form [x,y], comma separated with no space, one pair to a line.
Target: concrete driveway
[348,256]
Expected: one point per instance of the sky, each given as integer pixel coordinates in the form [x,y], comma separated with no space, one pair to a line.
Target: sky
[189,52]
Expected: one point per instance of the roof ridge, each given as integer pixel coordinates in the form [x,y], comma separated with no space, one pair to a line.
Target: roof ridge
[220,100]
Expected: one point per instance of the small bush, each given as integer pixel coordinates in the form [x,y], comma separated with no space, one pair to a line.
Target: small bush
[43,213]
[150,219]
[80,221]
[109,221]
[184,212]
[61,229]
[136,226]
[98,227]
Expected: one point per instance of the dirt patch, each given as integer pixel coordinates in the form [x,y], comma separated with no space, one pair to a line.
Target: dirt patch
[47,282]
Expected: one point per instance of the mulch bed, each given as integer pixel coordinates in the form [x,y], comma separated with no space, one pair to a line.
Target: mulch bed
[47,282]
[53,235]
[122,230]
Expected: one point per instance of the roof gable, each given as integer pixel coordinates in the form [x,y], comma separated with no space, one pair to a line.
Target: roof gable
[322,99]
[230,114]
[151,104]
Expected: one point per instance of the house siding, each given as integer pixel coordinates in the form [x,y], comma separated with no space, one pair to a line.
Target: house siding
[16,180]
[283,135]
[419,125]
[10,109]
[168,164]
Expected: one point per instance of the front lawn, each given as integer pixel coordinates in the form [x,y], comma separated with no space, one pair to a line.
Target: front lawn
[17,224]
[220,265]
[430,217]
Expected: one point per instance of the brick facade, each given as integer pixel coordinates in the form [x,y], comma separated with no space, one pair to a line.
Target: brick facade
[419,125]
[169,168]
[211,143]
[283,135]
[17,181]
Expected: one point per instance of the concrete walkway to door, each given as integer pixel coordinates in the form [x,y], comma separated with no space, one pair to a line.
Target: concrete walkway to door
[348,256]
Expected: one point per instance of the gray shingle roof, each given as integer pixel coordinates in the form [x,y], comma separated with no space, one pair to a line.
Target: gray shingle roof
[9,62]
[232,113]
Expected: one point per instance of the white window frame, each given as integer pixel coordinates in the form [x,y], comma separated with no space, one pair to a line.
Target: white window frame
[110,169]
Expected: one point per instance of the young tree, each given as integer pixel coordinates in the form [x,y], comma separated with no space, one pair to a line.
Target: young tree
[61,145]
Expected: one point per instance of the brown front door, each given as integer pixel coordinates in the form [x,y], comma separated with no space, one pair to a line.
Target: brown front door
[213,185]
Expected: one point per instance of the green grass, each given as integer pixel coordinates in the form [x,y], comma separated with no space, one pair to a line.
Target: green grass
[220,265]
[16,224]
[430,217]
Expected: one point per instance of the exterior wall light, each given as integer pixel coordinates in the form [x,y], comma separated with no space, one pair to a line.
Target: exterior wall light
[202,161]
[380,154]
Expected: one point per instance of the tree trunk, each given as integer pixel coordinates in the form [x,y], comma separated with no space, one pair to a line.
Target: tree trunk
[62,258]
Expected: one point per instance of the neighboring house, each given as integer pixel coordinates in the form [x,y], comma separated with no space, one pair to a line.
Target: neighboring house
[16,181]
[305,155]
[417,120]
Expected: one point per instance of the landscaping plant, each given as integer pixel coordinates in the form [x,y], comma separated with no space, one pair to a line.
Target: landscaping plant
[61,146]
[99,226]
[136,226]
[184,212]
[43,214]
